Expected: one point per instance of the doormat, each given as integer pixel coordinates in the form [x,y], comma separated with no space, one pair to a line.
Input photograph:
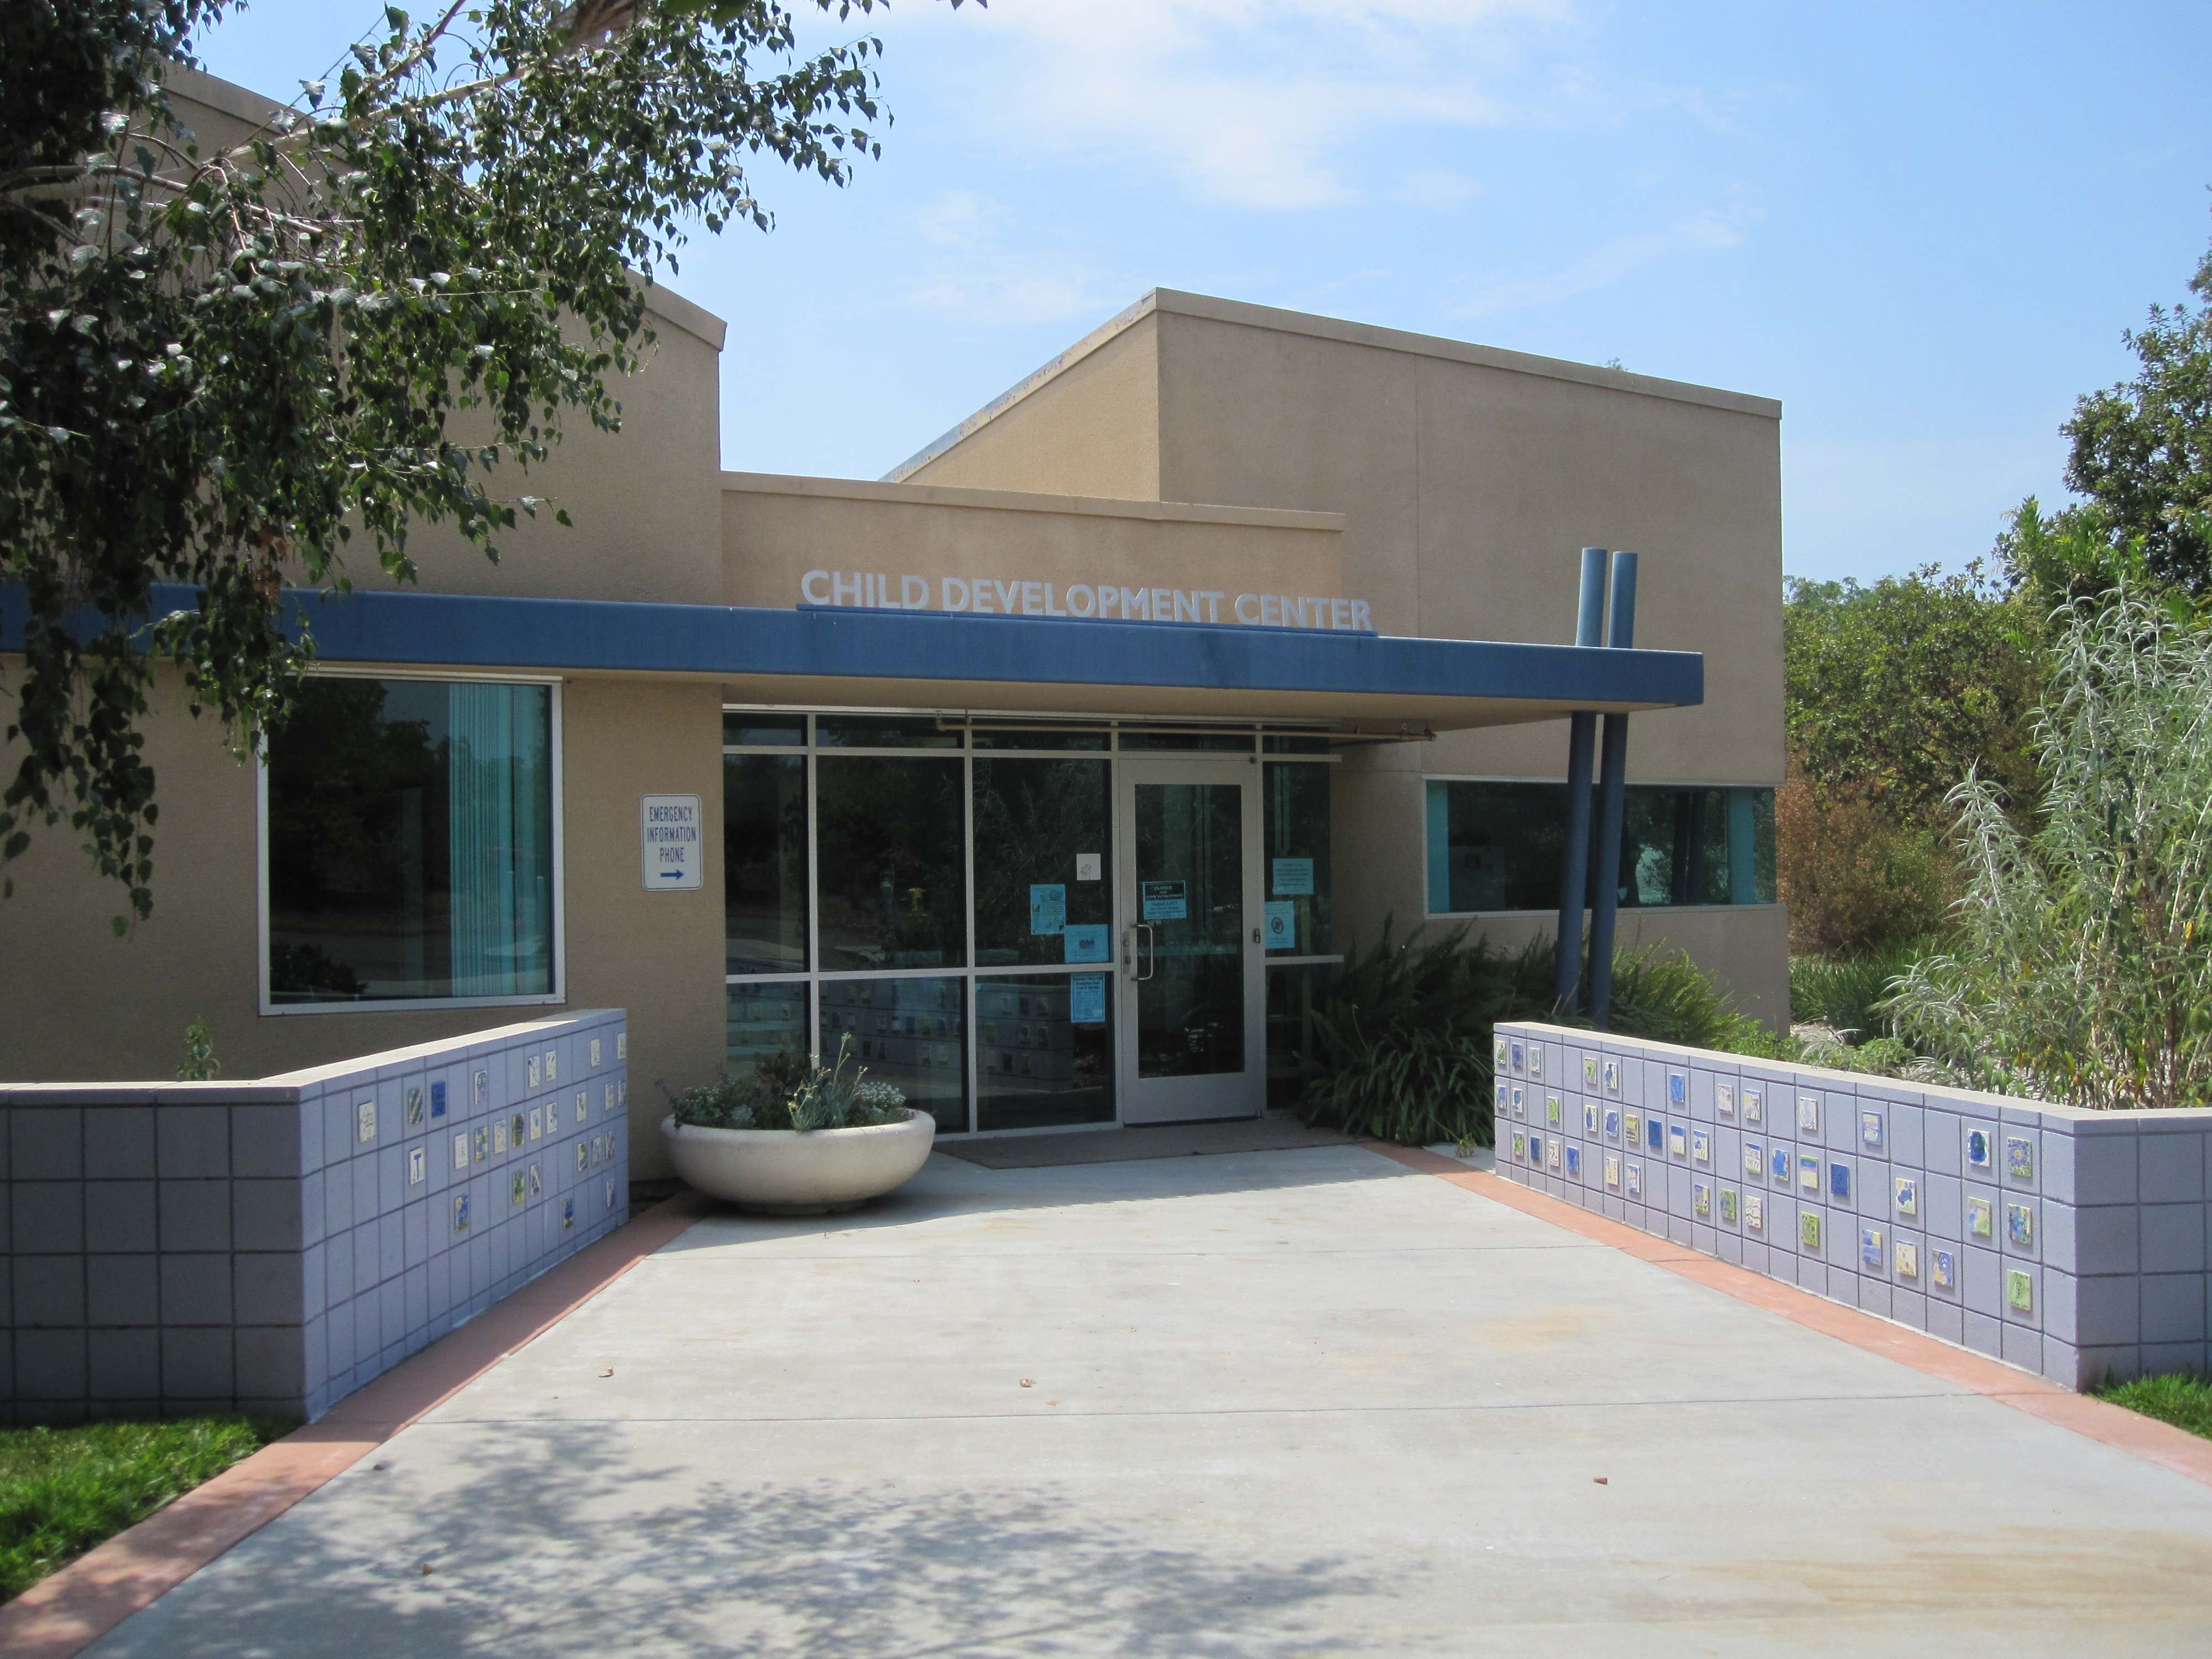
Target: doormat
[1275,1132]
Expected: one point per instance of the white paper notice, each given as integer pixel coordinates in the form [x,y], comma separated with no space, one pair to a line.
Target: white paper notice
[671,852]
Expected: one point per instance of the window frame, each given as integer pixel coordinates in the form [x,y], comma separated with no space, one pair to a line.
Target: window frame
[1428,778]
[557,996]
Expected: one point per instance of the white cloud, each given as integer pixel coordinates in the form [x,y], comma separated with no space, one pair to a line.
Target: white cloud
[1256,103]
[1708,229]
[970,266]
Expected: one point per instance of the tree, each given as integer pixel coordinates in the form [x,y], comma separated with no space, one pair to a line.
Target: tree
[2143,450]
[215,365]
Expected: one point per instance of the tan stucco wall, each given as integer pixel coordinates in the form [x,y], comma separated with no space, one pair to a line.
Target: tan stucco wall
[775,529]
[1744,948]
[78,1003]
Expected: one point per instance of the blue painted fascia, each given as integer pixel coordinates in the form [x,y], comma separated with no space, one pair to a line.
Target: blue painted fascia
[456,630]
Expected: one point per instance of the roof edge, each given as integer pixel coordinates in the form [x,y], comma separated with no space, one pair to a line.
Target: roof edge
[1017,500]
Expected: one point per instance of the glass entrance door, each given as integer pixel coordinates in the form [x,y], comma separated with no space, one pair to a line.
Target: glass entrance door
[1192,1043]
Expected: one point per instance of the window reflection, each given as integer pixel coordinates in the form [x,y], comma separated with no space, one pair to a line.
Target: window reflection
[766,1022]
[764,862]
[910,1033]
[1044,1051]
[1296,874]
[893,887]
[1042,862]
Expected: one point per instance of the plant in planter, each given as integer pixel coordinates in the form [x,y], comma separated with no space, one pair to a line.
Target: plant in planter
[793,1139]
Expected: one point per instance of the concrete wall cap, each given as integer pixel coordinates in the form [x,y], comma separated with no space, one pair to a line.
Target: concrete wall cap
[1019,501]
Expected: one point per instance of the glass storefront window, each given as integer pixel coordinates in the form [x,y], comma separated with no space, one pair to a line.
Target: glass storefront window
[909,1032]
[1497,846]
[1239,743]
[1295,845]
[741,729]
[891,844]
[1036,1065]
[1093,742]
[1189,868]
[764,863]
[1043,862]
[882,731]
[766,1020]
[411,843]
[1291,993]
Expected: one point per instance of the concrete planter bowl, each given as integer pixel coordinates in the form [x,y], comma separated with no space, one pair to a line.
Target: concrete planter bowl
[784,1172]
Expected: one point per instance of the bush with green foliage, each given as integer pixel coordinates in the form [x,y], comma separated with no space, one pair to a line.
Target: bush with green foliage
[63,1491]
[2082,969]
[785,1092]
[1846,994]
[1401,1038]
[2183,1399]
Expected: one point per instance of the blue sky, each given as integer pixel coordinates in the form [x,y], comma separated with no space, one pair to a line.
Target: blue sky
[1923,228]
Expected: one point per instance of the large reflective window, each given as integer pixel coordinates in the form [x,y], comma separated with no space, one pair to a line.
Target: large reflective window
[1190,891]
[1044,1050]
[764,863]
[1292,993]
[909,1032]
[766,1020]
[1296,874]
[411,843]
[890,841]
[1042,862]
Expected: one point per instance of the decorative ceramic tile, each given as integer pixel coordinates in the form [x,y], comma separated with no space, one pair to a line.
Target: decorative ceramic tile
[552,1065]
[1979,1154]
[1943,1270]
[595,1051]
[532,1067]
[1870,1130]
[537,1182]
[1499,1052]
[2019,1290]
[537,1123]
[1839,1183]
[1520,1102]
[1517,1061]
[461,1151]
[1575,1162]
[461,1213]
[609,1106]
[415,1106]
[1633,1126]
[482,1142]
[479,1087]
[1729,1205]
[1589,1071]
[582,1096]
[610,1195]
[1678,1091]
[621,1085]
[568,1203]
[1613,1077]
[2019,1157]
[498,1135]
[583,1156]
[1655,1136]
[1701,1199]
[517,1127]
[1808,1229]
[2020,1225]
[1521,1145]
[1589,1117]
[1636,1180]
[1908,1259]
[1808,1115]
[1536,1062]
[1701,1145]
[1777,1165]
[1754,1105]
[518,1187]
[1755,1161]
[1535,1149]
[1612,1123]
[1725,1097]
[1552,1110]
[1979,1220]
[1870,1249]
[1754,1212]
[1551,1153]
[418,1165]
[1678,1139]
[1612,1170]
[1808,1171]
[1504,1104]
[364,1119]
[438,1098]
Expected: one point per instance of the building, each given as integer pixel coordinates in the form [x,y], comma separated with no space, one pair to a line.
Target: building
[1051,771]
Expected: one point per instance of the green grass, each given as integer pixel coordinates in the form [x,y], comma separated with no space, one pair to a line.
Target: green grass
[2183,1400]
[63,1491]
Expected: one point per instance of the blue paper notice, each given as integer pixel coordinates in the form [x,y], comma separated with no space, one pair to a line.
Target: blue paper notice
[1086,999]
[1293,877]
[1282,924]
[1086,943]
[1047,907]
[1166,900]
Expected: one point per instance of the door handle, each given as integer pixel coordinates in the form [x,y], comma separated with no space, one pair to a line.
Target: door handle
[1151,953]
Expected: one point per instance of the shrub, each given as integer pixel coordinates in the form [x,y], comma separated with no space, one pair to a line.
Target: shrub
[785,1092]
[2083,966]
[1845,993]
[1856,879]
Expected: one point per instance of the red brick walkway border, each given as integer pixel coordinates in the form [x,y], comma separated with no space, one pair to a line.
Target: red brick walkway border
[2115,1426]
[67,1611]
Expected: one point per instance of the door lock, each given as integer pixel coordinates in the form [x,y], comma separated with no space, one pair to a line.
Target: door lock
[1255,936]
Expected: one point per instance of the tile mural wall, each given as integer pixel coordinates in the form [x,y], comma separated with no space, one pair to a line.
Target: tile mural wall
[2070,1243]
[273,1245]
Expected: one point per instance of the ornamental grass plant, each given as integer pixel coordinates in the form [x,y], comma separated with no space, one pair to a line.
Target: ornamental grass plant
[785,1092]
[2081,970]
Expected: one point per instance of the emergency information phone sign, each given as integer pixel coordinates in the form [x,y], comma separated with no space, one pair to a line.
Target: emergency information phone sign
[672,849]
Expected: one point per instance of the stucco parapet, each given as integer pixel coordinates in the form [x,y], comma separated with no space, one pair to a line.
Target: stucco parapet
[1017,500]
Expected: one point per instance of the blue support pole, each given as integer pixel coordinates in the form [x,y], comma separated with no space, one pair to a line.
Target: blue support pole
[1613,780]
[1582,742]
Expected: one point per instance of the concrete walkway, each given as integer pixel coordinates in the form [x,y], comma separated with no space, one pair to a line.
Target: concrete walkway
[1273,1404]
